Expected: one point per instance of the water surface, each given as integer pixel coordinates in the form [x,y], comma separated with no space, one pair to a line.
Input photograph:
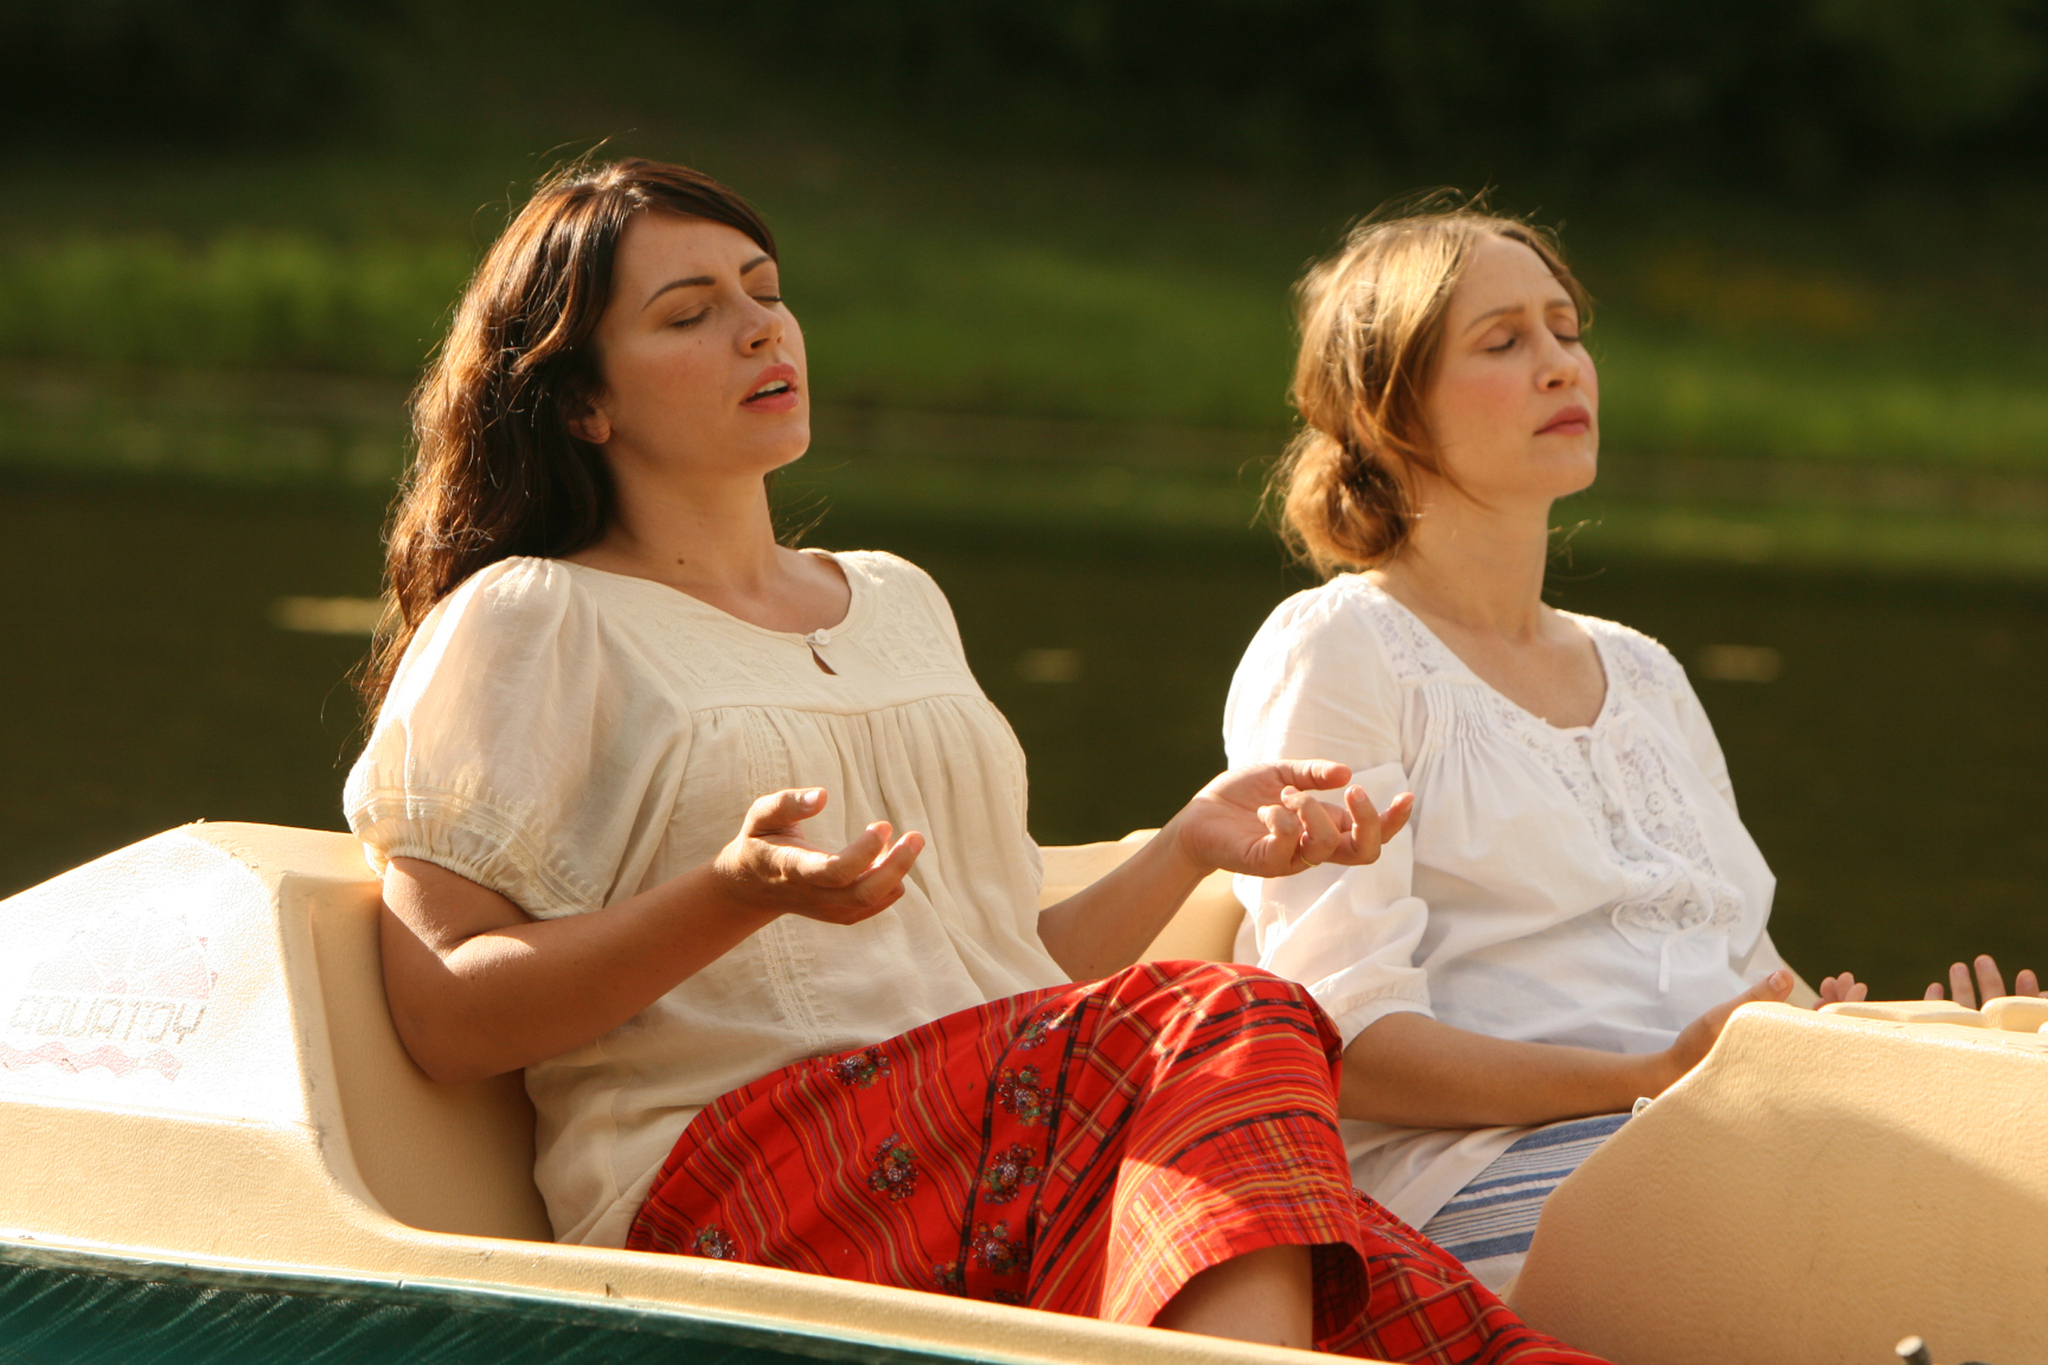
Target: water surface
[1892,769]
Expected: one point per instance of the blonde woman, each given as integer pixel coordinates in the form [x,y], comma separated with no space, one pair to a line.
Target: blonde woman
[1575,908]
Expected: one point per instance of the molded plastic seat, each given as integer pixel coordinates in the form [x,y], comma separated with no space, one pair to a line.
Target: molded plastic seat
[197,1069]
[1823,1185]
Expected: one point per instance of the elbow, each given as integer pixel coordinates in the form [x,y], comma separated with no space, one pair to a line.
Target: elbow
[446,1052]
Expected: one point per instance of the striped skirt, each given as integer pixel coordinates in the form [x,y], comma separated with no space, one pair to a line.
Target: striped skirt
[1490,1224]
[1085,1149]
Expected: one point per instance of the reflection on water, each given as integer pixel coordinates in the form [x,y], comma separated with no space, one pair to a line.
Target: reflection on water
[1886,734]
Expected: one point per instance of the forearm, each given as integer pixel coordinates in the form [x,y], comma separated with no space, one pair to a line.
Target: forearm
[521,993]
[1103,927]
[1411,1070]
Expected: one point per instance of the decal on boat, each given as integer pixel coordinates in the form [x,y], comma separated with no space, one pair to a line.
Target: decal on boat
[125,991]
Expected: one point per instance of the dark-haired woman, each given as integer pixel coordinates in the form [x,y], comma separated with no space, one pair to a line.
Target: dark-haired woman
[636,779]
[1575,908]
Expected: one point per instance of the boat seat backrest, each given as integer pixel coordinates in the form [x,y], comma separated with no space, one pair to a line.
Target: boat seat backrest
[448,1158]
[459,1158]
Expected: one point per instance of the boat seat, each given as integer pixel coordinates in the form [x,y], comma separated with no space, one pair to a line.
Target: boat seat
[1821,1186]
[458,1158]
[199,1078]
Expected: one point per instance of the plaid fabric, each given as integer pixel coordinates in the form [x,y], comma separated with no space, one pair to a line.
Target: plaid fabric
[1084,1149]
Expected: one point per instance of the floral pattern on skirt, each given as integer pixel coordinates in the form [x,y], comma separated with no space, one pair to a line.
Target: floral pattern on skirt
[1085,1149]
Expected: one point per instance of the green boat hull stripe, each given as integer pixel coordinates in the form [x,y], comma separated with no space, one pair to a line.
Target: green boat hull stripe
[67,1306]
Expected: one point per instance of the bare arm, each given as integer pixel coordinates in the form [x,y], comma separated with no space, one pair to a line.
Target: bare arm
[478,987]
[1259,820]
[1412,1070]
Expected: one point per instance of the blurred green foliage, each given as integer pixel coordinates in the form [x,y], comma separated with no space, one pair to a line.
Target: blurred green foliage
[1080,208]
[1782,93]
[238,301]
[204,71]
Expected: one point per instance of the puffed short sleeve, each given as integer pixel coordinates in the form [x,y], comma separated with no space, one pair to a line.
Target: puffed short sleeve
[523,745]
[1315,683]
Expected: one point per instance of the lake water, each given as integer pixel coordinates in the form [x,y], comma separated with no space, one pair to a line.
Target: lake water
[1887,734]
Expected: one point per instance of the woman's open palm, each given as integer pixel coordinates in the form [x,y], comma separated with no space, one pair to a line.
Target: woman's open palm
[774,868]
[1265,821]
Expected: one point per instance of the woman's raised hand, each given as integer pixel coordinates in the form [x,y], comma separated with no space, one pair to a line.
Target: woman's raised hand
[1264,821]
[770,868]
[1989,985]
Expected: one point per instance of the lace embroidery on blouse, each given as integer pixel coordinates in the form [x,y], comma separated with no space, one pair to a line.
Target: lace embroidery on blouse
[1614,773]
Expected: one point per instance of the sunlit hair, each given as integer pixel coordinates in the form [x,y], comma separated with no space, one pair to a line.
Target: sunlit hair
[1372,327]
[497,472]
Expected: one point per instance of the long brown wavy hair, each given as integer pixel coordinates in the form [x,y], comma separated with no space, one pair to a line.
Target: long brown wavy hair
[497,472]
[1372,323]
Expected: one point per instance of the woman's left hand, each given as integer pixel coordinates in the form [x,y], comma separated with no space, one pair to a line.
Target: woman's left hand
[1264,821]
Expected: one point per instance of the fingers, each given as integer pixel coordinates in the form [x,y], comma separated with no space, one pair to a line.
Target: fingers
[1935,992]
[1395,817]
[1370,829]
[1320,838]
[1844,989]
[1960,989]
[1316,775]
[1283,826]
[1990,981]
[877,884]
[783,810]
[1776,986]
[2027,983]
[849,864]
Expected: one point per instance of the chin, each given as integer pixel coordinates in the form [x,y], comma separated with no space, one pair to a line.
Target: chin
[1574,473]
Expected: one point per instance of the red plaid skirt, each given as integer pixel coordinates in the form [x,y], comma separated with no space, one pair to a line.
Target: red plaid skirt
[1085,1149]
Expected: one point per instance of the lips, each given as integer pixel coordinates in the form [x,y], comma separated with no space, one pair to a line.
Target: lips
[774,390]
[1573,421]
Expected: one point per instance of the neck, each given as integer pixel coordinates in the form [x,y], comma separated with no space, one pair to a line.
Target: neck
[690,533]
[1477,566]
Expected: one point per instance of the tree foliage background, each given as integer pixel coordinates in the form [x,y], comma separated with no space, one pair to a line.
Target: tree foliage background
[1770,95]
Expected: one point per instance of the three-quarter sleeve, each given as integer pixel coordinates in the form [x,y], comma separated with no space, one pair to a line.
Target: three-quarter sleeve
[1315,684]
[521,747]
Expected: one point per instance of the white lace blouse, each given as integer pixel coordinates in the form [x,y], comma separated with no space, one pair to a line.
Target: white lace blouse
[569,737]
[1590,885]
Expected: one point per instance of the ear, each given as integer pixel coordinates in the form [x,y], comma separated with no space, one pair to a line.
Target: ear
[586,422]
[590,425]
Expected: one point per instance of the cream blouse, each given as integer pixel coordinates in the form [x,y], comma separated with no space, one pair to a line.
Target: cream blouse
[1590,885]
[570,737]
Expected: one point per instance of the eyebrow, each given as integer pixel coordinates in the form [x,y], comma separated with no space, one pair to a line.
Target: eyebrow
[698,281]
[1492,313]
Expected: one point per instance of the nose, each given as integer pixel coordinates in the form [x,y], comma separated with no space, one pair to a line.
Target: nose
[763,329]
[1560,367]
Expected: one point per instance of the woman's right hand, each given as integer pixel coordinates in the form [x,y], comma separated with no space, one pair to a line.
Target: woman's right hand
[1696,1039]
[770,868]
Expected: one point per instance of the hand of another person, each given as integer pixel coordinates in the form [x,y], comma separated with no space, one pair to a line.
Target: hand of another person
[1262,820]
[769,867]
[1990,983]
[1696,1039]
[1842,989]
